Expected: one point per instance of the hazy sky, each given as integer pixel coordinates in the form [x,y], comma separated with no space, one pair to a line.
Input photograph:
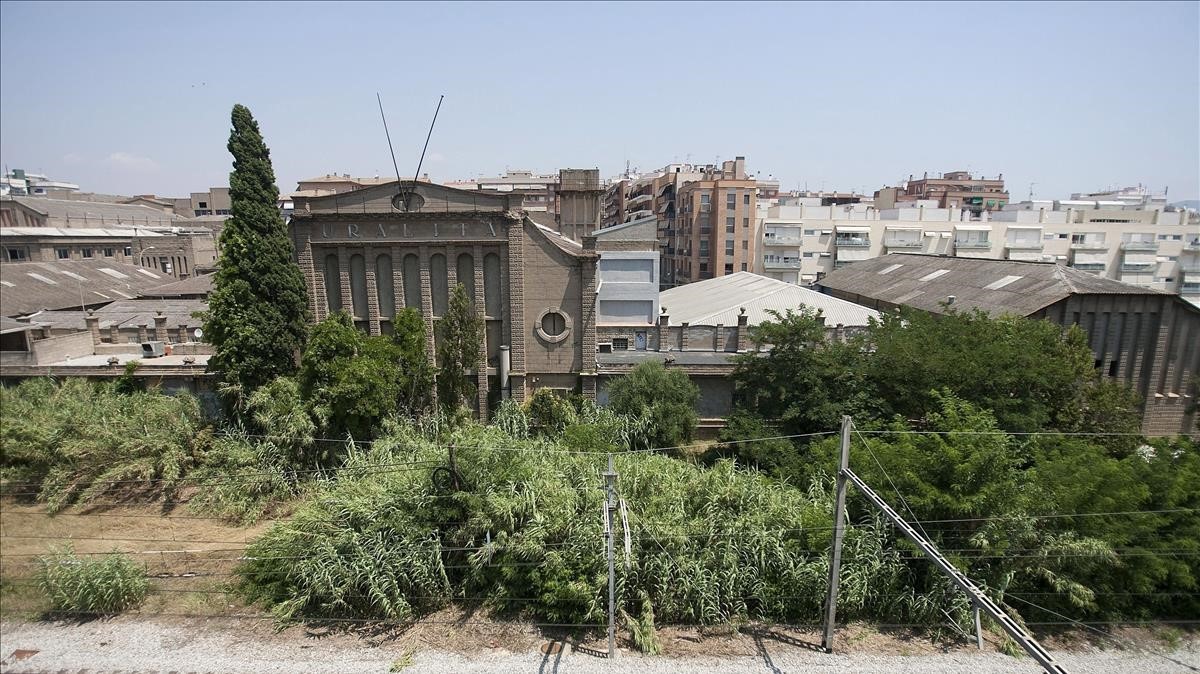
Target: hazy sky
[135,98]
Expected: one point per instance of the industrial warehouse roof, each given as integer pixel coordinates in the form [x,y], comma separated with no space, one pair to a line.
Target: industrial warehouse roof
[78,232]
[994,286]
[126,314]
[719,301]
[196,286]
[26,287]
[70,213]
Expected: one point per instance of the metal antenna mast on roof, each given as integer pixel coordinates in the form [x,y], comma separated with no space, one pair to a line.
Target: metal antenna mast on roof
[427,137]
[399,185]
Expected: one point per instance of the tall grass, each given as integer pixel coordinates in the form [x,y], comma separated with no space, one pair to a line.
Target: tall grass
[76,441]
[82,586]
[706,545]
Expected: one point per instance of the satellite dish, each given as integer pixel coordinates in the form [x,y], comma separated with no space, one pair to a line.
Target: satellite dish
[198,333]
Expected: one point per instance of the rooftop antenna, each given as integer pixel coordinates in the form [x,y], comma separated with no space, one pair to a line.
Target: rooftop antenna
[1031,191]
[427,137]
[399,185]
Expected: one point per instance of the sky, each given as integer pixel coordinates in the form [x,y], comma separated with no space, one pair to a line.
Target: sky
[135,98]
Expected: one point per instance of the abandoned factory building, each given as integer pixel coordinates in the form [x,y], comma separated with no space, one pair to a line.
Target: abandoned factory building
[380,249]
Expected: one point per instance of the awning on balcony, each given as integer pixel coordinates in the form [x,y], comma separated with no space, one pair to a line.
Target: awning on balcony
[972,227]
[853,229]
[826,231]
[1026,227]
[892,228]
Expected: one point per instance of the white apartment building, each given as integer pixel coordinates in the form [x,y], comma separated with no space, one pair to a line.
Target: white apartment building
[1145,245]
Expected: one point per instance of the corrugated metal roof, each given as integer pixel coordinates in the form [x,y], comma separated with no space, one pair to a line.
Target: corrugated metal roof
[26,287]
[994,286]
[93,213]
[79,232]
[128,314]
[719,301]
[196,285]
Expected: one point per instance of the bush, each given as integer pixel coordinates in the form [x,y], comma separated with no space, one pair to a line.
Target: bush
[76,441]
[666,397]
[549,412]
[708,545]
[91,586]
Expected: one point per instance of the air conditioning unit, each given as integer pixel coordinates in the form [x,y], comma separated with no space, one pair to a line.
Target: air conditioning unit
[153,349]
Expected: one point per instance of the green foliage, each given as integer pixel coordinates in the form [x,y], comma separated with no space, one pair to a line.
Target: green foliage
[741,438]
[459,350]
[708,545]
[1030,374]
[512,419]
[665,397]
[549,412]
[258,308]
[805,383]
[127,383]
[88,585]
[77,441]
[416,389]
[351,381]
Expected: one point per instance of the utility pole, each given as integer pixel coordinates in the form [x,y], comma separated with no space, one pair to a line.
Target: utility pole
[839,531]
[610,504]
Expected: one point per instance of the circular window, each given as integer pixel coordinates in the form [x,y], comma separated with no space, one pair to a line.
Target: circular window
[553,326]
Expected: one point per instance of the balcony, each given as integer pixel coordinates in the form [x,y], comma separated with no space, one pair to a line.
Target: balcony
[973,244]
[781,264]
[902,243]
[1092,267]
[1194,244]
[1139,267]
[853,241]
[1089,245]
[793,241]
[1189,288]
[1024,244]
[1140,245]
[639,199]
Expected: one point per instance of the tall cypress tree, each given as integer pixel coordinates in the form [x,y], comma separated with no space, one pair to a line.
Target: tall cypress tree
[258,308]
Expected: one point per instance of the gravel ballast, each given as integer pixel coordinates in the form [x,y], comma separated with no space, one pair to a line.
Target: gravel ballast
[146,646]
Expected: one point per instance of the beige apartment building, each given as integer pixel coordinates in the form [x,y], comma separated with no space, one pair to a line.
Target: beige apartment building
[716,225]
[957,189]
[1146,246]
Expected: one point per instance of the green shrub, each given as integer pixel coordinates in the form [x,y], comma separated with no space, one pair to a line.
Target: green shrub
[707,545]
[90,586]
[549,412]
[666,397]
[78,440]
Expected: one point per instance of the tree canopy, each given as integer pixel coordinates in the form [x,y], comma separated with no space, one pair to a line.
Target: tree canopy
[460,332]
[258,308]
[665,397]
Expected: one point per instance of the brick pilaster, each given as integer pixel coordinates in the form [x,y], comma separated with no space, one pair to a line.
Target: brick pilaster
[516,302]
[481,377]
[372,302]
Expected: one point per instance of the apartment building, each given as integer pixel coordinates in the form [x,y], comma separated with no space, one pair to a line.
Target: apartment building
[1153,247]
[539,193]
[957,189]
[213,202]
[716,225]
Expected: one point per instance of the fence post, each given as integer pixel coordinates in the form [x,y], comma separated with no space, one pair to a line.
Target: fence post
[978,630]
[839,530]
[610,487]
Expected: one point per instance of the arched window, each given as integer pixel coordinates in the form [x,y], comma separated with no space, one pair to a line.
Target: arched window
[412,282]
[358,286]
[439,283]
[492,301]
[384,289]
[466,275]
[333,283]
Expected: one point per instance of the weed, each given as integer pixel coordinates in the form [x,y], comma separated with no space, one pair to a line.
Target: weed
[81,586]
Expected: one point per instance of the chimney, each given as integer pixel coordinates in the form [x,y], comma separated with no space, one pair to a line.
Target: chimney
[743,331]
[664,324]
[160,327]
[93,325]
[683,336]
[143,333]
